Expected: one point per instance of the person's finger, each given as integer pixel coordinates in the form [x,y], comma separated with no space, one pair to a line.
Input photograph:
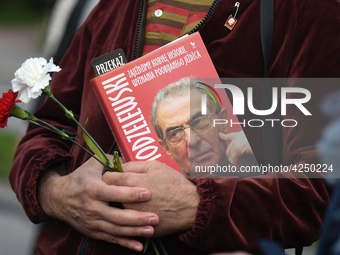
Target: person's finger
[127,217]
[122,241]
[232,159]
[232,253]
[118,179]
[226,137]
[129,243]
[229,150]
[230,153]
[117,230]
[114,189]
[93,167]
[140,166]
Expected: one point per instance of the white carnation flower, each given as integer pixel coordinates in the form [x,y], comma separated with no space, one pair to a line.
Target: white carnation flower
[32,77]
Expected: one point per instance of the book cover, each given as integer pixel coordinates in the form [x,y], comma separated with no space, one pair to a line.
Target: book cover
[127,92]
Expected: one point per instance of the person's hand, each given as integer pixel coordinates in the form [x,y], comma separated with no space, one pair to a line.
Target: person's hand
[81,200]
[173,198]
[238,151]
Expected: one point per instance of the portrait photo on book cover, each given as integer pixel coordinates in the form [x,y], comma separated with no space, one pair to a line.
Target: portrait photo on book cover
[192,124]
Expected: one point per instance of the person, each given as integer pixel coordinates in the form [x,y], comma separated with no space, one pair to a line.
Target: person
[65,19]
[56,182]
[178,107]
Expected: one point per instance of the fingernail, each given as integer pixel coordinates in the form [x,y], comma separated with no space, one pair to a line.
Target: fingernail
[138,247]
[147,232]
[144,195]
[152,221]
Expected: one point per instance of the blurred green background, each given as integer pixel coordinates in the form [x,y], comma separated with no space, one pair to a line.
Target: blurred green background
[23,12]
[7,147]
[18,18]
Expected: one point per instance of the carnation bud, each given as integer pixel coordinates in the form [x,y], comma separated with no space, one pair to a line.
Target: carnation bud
[20,113]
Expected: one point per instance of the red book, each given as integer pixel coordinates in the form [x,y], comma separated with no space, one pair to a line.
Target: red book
[127,92]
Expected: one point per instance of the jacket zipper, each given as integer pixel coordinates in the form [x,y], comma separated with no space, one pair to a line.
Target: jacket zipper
[138,33]
[204,20]
[85,246]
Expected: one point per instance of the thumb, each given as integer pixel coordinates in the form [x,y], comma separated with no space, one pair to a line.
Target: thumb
[93,167]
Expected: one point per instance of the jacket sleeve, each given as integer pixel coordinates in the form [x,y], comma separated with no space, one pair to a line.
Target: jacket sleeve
[40,146]
[236,213]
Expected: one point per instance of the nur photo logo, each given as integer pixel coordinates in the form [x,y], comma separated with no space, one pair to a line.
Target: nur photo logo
[281,98]
[205,87]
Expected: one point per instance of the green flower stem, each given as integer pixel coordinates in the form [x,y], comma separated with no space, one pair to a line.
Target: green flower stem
[52,128]
[117,163]
[108,161]
[146,245]
[70,115]
[48,126]
[93,155]
[55,130]
[154,247]
[161,245]
[20,113]
[92,140]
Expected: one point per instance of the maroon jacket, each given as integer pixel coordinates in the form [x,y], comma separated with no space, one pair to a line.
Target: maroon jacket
[233,213]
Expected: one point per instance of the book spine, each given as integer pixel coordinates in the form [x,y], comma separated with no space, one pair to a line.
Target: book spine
[117,133]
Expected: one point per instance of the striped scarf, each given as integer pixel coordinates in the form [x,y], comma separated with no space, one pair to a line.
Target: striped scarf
[167,20]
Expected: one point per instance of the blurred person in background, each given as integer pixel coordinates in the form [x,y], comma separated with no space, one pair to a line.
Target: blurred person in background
[66,18]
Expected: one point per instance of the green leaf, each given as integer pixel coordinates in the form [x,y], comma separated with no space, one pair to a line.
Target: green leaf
[146,245]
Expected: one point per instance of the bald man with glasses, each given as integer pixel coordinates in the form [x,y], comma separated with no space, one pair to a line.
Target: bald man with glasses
[185,134]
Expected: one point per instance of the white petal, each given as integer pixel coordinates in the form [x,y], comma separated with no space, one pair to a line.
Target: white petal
[50,67]
[41,83]
[24,96]
[42,61]
[34,67]
[29,79]
[35,95]
[29,94]
[19,74]
[17,85]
